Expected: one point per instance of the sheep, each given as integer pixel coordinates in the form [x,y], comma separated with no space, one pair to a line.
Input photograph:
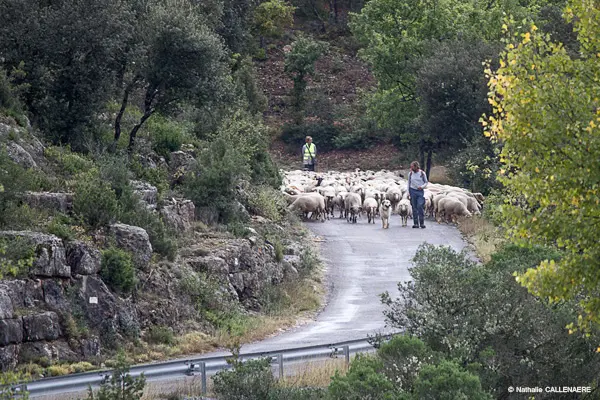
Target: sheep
[405,211]
[352,204]
[385,210]
[394,195]
[310,204]
[329,193]
[451,208]
[370,206]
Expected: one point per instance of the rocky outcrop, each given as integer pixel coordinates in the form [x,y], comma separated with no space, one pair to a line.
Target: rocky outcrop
[20,156]
[147,193]
[11,331]
[44,326]
[6,305]
[178,214]
[50,258]
[135,240]
[83,258]
[62,202]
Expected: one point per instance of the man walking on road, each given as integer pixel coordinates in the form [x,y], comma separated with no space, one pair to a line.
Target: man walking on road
[309,154]
[417,181]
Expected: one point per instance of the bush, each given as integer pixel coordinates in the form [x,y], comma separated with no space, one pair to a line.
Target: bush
[252,379]
[60,227]
[446,381]
[323,135]
[95,201]
[364,380]
[166,135]
[117,270]
[69,163]
[16,257]
[267,202]
[476,166]
[160,335]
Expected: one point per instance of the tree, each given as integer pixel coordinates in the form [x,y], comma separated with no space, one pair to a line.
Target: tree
[271,18]
[67,52]
[446,381]
[299,64]
[175,58]
[547,118]
[121,385]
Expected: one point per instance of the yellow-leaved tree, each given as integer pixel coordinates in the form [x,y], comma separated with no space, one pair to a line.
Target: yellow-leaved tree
[547,119]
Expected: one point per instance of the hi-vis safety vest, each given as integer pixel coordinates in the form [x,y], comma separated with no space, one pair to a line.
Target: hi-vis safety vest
[309,153]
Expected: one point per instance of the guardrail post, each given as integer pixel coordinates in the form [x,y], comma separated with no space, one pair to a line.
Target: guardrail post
[203,377]
[280,362]
[347,354]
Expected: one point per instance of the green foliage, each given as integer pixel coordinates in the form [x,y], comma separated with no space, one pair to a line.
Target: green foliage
[61,227]
[363,380]
[12,385]
[278,250]
[117,270]
[95,201]
[459,308]
[252,379]
[309,261]
[69,163]
[121,384]
[475,167]
[167,135]
[272,17]
[447,381]
[267,202]
[16,257]
[547,120]
[9,95]
[244,74]
[160,335]
[299,64]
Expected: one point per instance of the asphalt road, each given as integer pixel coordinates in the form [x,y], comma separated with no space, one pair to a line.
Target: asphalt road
[363,260]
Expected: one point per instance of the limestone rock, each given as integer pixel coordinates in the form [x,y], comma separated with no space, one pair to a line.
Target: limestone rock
[135,240]
[54,296]
[179,214]
[44,326]
[23,293]
[6,305]
[19,155]
[83,258]
[9,356]
[11,331]
[50,259]
[211,264]
[62,202]
[147,193]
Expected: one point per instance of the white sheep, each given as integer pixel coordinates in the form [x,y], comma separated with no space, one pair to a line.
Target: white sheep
[405,211]
[370,206]
[352,204]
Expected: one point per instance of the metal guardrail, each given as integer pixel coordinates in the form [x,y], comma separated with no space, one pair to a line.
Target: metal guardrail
[202,366]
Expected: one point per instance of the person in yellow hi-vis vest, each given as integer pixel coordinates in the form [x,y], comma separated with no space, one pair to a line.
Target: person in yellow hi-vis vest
[309,154]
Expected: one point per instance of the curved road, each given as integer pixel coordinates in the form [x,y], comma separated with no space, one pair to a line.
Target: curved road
[363,260]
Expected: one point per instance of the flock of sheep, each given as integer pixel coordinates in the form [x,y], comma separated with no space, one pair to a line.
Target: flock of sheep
[376,194]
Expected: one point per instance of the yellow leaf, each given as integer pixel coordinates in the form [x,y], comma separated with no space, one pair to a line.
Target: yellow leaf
[537,169]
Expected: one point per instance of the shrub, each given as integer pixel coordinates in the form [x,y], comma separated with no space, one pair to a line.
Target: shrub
[117,270]
[95,201]
[69,163]
[308,261]
[16,257]
[60,227]
[476,166]
[114,169]
[252,379]
[166,135]
[267,202]
[160,335]
[447,381]
[278,246]
[363,380]
[121,384]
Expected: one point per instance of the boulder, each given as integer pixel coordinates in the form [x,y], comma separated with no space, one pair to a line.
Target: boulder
[96,301]
[58,350]
[6,305]
[147,193]
[50,258]
[83,258]
[44,326]
[180,159]
[11,331]
[23,293]
[19,155]
[54,296]
[211,264]
[62,202]
[9,355]
[178,214]
[135,240]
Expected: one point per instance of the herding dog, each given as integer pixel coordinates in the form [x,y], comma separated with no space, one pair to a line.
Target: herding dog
[385,212]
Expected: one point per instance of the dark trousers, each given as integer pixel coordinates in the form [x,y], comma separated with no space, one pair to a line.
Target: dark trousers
[309,167]
[417,201]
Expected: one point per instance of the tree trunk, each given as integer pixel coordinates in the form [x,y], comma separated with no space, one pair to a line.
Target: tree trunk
[120,115]
[136,128]
[335,11]
[421,153]
[428,168]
